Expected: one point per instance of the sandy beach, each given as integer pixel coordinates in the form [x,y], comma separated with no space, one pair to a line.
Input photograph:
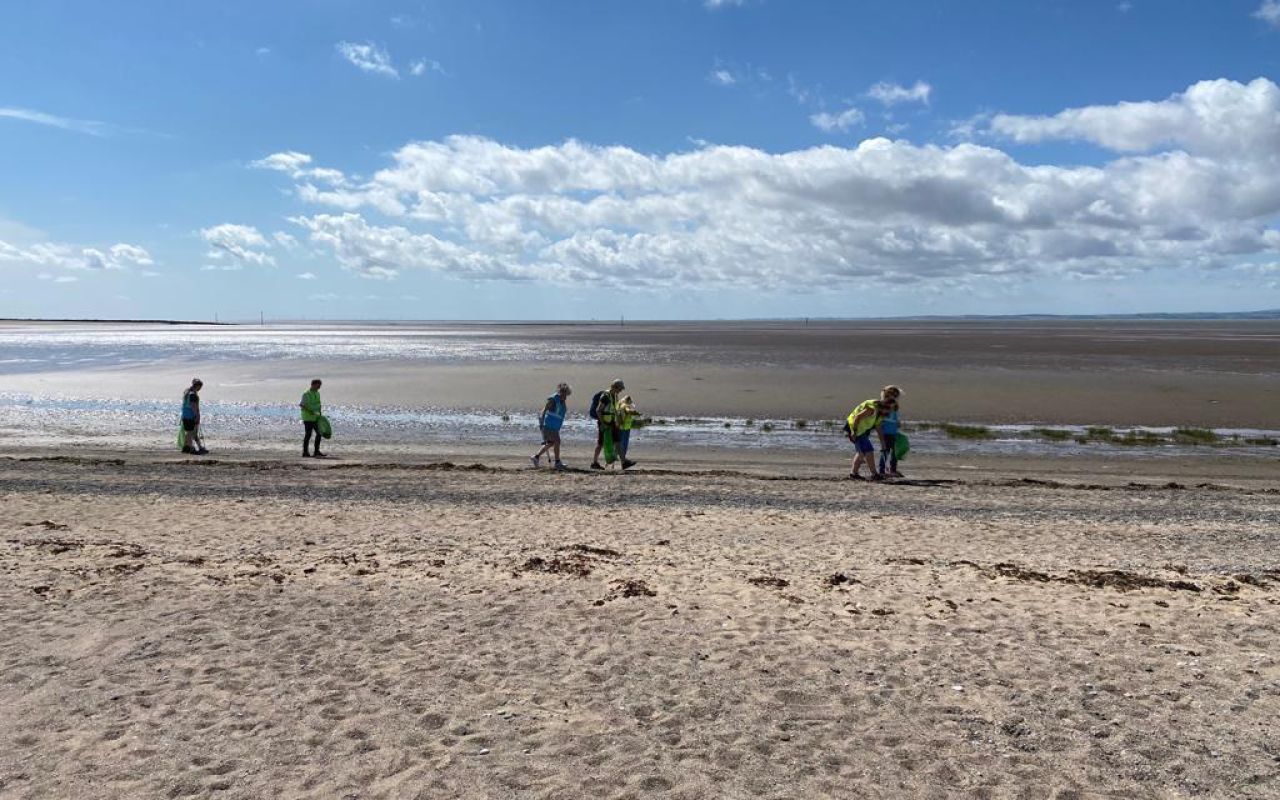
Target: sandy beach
[249,628]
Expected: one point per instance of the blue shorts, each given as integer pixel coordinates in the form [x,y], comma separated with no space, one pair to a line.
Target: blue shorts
[863,443]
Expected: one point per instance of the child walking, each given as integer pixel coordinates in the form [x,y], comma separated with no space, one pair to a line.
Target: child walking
[889,432]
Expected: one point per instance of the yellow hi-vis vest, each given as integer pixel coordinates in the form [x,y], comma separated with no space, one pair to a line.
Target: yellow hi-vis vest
[866,423]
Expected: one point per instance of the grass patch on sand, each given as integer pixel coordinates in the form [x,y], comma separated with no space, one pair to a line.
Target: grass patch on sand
[1195,435]
[967,431]
[1052,434]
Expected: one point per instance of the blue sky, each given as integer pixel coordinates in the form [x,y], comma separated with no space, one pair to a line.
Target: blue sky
[676,158]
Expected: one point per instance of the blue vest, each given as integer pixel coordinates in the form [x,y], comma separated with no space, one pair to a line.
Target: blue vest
[553,419]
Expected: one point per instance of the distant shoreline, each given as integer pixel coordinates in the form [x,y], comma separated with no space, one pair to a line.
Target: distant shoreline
[1197,316]
[125,321]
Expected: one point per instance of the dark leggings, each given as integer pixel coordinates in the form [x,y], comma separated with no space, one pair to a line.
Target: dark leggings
[888,453]
[310,428]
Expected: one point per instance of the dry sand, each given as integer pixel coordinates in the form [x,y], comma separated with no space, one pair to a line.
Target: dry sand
[340,630]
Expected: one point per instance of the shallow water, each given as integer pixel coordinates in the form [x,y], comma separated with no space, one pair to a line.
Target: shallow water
[40,420]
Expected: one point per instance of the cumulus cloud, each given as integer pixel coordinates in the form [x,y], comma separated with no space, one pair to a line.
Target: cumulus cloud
[842,121]
[1221,118]
[369,57]
[891,94]
[74,257]
[722,77]
[879,212]
[1269,12]
[235,246]
[714,4]
[298,165]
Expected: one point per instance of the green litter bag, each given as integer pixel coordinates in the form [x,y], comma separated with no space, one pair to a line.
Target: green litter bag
[901,446]
[323,426]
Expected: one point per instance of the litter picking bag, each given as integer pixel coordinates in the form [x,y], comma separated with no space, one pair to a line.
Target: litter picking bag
[323,426]
[901,446]
[610,450]
[182,438]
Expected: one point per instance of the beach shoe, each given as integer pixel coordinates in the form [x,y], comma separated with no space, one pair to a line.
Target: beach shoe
[535,461]
[853,476]
[876,477]
[318,454]
[627,463]
[191,451]
[596,465]
[560,466]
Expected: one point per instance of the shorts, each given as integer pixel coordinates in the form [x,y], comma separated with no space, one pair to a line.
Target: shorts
[550,437]
[863,443]
[190,425]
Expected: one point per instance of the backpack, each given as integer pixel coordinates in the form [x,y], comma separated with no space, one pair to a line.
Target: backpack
[595,403]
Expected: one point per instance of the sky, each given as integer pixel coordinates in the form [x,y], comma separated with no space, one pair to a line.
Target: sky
[669,159]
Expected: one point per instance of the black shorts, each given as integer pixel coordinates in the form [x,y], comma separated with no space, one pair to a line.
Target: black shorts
[190,425]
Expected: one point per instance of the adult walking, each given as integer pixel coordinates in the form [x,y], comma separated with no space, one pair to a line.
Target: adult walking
[858,426]
[550,421]
[311,409]
[193,441]
[604,409]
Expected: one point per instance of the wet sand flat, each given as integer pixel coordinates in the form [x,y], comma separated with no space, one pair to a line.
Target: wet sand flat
[1205,373]
[262,628]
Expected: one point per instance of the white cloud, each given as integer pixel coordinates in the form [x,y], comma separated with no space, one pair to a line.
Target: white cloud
[236,246]
[843,121]
[1220,118]
[297,165]
[91,127]
[58,255]
[418,68]
[722,77]
[937,217]
[369,57]
[1269,12]
[285,240]
[892,94]
[306,276]
[714,4]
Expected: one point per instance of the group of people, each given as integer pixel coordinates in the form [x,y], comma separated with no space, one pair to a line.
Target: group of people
[314,424]
[878,415]
[615,415]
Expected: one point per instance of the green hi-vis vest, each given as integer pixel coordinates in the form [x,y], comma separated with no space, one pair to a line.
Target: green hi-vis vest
[866,423]
[310,405]
[610,408]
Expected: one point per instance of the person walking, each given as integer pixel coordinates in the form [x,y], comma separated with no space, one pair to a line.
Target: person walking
[858,426]
[627,414]
[604,409]
[193,443]
[550,421]
[310,406]
[889,433]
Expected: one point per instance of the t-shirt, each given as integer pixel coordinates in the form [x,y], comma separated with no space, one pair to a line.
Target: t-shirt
[889,422]
[553,418]
[310,405]
[191,404]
